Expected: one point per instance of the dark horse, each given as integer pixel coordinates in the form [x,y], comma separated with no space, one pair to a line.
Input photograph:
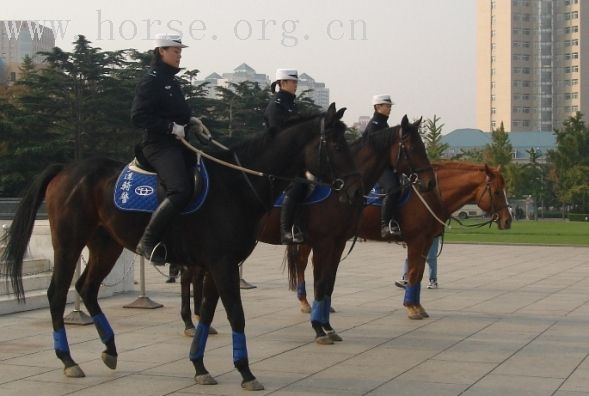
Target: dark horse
[458,183]
[79,200]
[329,224]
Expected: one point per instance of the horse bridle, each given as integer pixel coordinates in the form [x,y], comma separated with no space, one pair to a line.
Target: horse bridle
[414,173]
[494,212]
[337,183]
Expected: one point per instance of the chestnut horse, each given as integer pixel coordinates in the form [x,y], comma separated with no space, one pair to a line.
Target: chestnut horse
[220,235]
[327,225]
[459,183]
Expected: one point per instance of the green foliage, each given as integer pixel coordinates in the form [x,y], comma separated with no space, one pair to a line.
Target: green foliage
[579,217]
[432,138]
[570,161]
[498,152]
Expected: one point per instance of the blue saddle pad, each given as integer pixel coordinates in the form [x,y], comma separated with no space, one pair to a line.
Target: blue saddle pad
[319,194]
[375,199]
[137,192]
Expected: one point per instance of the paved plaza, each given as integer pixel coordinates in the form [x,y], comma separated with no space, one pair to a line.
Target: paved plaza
[506,320]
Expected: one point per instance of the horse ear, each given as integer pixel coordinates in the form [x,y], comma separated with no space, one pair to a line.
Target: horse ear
[340,113]
[330,114]
[405,122]
[417,123]
[488,170]
[499,168]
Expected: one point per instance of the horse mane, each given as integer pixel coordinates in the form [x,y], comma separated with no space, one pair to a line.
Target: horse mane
[251,147]
[380,140]
[459,165]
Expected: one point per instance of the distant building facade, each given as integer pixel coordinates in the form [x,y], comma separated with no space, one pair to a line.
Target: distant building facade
[319,93]
[19,39]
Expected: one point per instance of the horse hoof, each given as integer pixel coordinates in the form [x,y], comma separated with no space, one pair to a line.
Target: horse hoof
[205,379]
[413,313]
[334,336]
[190,332]
[212,330]
[109,360]
[305,309]
[74,372]
[332,310]
[324,340]
[253,385]
[423,313]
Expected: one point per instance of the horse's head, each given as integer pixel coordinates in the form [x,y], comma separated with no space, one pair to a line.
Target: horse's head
[410,156]
[492,198]
[330,159]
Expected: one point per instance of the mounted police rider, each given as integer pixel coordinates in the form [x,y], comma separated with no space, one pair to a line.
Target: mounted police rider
[159,108]
[279,110]
[389,181]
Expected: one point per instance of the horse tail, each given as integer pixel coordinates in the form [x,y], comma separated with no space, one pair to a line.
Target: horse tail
[291,256]
[21,229]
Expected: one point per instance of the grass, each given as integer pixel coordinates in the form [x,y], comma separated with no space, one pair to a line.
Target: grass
[549,232]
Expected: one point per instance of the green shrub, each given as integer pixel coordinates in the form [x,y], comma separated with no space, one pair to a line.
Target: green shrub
[579,216]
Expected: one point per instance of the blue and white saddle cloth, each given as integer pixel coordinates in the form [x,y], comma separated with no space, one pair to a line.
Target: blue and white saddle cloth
[318,194]
[375,197]
[136,190]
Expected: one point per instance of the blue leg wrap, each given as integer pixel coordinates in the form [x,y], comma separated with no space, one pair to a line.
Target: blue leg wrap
[412,294]
[103,327]
[199,342]
[301,291]
[60,341]
[326,308]
[239,348]
[320,310]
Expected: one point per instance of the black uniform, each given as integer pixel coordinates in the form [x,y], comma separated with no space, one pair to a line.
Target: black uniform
[158,103]
[388,181]
[279,110]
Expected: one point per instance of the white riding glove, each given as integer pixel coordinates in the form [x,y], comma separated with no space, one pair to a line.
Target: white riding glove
[178,131]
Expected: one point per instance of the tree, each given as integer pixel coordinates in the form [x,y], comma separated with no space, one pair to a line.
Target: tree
[570,163]
[432,137]
[498,152]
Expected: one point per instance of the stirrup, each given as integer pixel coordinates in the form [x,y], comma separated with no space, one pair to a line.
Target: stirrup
[295,235]
[157,245]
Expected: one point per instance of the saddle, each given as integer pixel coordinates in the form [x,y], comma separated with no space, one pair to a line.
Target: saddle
[139,189]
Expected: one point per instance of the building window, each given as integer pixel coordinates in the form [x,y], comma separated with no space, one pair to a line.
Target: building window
[493,124]
[575,15]
[574,81]
[493,110]
[515,123]
[575,55]
[526,123]
[493,98]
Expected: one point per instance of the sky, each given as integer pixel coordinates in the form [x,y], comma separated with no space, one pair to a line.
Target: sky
[421,52]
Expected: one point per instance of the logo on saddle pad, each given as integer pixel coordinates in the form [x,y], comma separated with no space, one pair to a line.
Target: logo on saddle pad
[135,190]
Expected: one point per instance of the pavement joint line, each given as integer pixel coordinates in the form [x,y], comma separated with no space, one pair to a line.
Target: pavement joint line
[570,374]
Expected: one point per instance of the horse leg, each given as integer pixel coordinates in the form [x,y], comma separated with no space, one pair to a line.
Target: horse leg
[198,282]
[416,258]
[326,257]
[192,276]
[226,278]
[210,297]
[104,252]
[65,260]
[186,276]
[302,259]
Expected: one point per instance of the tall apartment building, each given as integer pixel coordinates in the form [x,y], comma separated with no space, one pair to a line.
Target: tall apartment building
[532,63]
[19,39]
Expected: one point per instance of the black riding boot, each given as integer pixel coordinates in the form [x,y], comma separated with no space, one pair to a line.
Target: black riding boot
[289,232]
[152,235]
[388,224]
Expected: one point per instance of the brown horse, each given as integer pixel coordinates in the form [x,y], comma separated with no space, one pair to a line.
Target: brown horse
[329,224]
[459,183]
[220,235]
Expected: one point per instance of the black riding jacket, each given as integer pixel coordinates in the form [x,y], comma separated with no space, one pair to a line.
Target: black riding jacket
[376,123]
[158,103]
[280,109]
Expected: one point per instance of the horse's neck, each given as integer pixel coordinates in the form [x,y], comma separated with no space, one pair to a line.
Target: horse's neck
[459,187]
[370,164]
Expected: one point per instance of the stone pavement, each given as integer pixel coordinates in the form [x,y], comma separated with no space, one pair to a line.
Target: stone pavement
[507,320]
